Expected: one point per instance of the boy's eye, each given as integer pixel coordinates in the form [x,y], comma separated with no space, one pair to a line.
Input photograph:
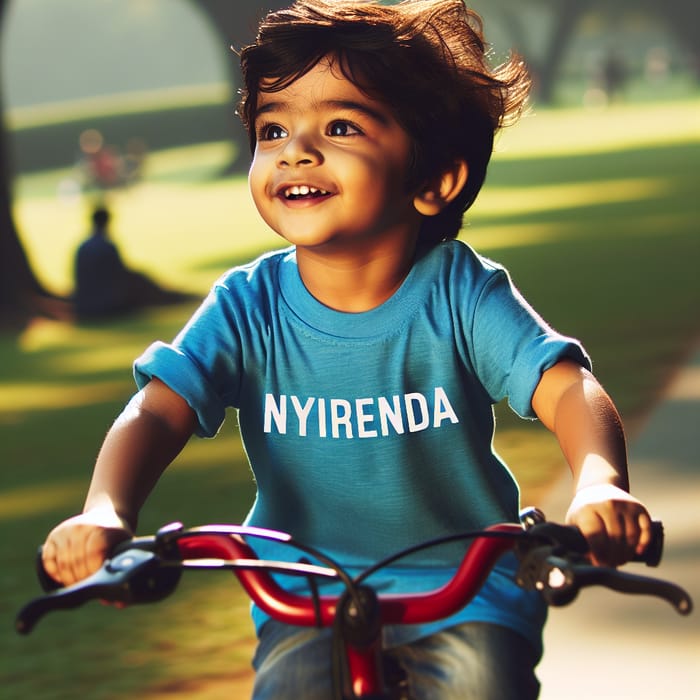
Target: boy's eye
[342,128]
[271,132]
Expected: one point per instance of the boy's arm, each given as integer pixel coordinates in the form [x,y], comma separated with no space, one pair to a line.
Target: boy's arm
[573,405]
[147,436]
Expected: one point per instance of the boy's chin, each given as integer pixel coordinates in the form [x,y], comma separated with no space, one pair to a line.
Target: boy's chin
[307,239]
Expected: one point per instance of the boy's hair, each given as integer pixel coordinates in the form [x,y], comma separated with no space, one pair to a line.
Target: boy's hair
[425,59]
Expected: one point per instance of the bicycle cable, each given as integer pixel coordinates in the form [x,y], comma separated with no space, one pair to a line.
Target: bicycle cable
[436,542]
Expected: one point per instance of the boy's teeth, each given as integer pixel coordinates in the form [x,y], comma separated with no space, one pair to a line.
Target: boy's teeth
[302,191]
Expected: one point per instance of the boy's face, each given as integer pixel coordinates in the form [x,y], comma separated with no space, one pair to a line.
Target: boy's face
[329,168]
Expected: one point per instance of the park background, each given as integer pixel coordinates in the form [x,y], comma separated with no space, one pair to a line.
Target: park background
[591,201]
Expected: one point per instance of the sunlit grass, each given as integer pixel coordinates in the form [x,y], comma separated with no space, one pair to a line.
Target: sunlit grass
[518,201]
[37,498]
[19,397]
[613,128]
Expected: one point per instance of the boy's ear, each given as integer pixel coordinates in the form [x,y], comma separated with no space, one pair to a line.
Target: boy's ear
[442,189]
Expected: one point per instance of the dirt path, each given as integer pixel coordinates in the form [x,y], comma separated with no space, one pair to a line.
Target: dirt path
[238,687]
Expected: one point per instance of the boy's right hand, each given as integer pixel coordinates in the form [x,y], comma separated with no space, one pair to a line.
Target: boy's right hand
[77,547]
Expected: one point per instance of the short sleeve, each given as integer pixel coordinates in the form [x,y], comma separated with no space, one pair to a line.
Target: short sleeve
[202,364]
[181,373]
[513,346]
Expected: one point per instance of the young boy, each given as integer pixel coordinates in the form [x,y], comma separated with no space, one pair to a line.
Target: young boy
[365,359]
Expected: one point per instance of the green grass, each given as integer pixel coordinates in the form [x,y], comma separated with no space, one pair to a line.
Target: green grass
[596,216]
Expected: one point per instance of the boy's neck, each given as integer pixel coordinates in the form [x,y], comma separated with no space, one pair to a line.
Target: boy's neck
[354,283]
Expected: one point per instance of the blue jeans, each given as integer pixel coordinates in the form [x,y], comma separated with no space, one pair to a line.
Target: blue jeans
[471,661]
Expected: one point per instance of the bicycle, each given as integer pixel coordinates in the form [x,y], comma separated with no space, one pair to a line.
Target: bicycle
[552,560]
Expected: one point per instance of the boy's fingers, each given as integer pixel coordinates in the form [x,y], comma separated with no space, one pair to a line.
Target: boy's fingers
[637,531]
[80,556]
[617,529]
[48,559]
[57,559]
[645,532]
[69,555]
[632,533]
[617,538]
[594,530]
[66,561]
[623,537]
[72,554]
[617,542]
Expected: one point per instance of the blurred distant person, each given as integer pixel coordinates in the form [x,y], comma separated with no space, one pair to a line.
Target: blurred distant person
[607,80]
[613,75]
[104,285]
[101,163]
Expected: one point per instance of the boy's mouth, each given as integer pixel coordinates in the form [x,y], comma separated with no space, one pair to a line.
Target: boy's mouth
[294,192]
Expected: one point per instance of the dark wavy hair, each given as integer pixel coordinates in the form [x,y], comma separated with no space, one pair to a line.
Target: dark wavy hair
[426,59]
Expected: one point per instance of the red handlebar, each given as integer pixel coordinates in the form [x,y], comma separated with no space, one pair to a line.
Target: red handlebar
[302,610]
[552,561]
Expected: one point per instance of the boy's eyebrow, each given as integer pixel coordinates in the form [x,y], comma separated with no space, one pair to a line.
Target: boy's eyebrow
[351,105]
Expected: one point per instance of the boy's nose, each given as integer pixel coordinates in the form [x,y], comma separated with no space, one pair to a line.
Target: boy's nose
[299,151]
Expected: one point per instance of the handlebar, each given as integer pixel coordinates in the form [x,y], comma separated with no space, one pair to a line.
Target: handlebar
[147,569]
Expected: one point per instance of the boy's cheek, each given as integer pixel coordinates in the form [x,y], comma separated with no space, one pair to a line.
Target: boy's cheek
[257,185]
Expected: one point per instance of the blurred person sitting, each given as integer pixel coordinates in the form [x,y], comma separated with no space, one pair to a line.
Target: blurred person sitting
[104,285]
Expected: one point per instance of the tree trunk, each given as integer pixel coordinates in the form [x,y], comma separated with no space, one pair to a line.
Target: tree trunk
[566,19]
[22,296]
[236,25]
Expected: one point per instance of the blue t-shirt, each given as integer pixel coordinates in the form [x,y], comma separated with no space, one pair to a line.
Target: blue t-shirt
[370,432]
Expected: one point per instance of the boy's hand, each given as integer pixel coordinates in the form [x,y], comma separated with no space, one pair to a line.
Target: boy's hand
[78,546]
[616,525]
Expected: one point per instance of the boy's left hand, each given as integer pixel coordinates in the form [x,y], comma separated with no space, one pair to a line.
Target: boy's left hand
[616,525]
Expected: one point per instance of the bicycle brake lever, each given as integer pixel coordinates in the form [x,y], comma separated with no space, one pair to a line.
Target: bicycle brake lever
[133,576]
[625,582]
[559,581]
[551,576]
